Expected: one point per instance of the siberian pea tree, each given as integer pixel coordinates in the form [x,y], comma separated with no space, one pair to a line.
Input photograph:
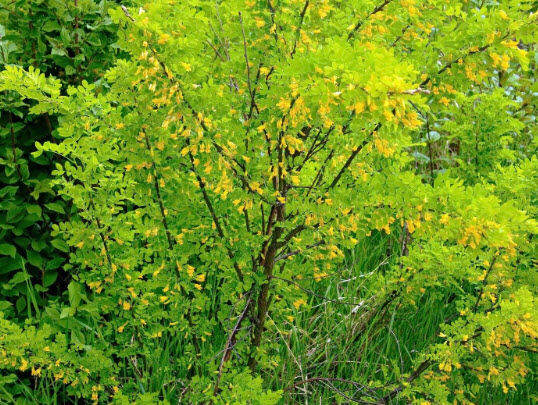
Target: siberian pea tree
[244,147]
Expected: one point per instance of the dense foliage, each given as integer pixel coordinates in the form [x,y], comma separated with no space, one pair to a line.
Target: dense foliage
[71,41]
[268,201]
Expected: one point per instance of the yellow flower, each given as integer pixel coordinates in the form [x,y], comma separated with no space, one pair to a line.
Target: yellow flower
[358,107]
[126,305]
[320,276]
[186,66]
[444,219]
[163,39]
[510,44]
[24,365]
[299,302]
[295,180]
[505,62]
[284,104]
[503,14]
[324,9]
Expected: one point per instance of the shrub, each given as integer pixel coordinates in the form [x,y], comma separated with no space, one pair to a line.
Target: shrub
[73,41]
[241,152]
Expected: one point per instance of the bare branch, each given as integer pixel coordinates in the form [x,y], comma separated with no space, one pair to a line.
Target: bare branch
[217,53]
[449,64]
[350,159]
[230,342]
[416,91]
[126,12]
[298,31]
[246,56]
[484,282]
[420,369]
[216,221]
[293,233]
[361,22]
[296,252]
[158,193]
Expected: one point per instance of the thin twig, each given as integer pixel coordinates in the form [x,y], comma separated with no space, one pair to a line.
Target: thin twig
[334,379]
[246,55]
[325,299]
[353,154]
[230,342]
[298,31]
[296,252]
[361,22]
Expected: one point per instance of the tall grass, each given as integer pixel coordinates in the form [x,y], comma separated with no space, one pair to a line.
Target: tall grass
[327,354]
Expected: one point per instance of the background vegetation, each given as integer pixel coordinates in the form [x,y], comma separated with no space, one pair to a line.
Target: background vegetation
[277,201]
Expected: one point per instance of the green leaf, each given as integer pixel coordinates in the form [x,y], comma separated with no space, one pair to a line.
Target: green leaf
[54,263]
[8,264]
[67,312]
[34,209]
[20,304]
[7,250]
[49,278]
[34,258]
[20,277]
[76,294]
[5,305]
[50,25]
[57,207]
[60,245]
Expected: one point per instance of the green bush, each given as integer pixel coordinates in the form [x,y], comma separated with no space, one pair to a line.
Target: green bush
[74,42]
[275,201]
